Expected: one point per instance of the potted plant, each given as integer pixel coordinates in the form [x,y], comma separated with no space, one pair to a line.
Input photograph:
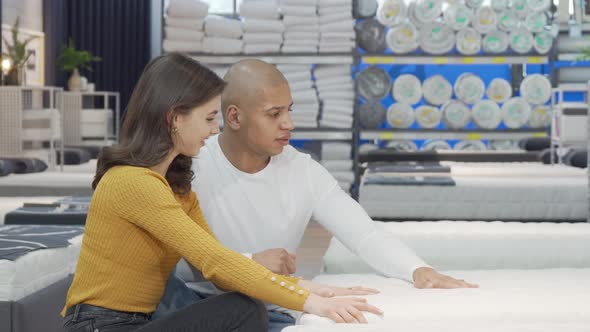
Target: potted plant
[70,60]
[18,55]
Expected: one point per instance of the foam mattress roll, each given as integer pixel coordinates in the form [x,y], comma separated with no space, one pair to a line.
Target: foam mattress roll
[370,35]
[435,145]
[507,21]
[520,8]
[372,114]
[437,90]
[402,145]
[543,42]
[365,8]
[502,145]
[474,4]
[366,147]
[500,5]
[373,83]
[469,88]
[403,38]
[428,116]
[436,38]
[470,146]
[400,115]
[540,116]
[536,89]
[516,112]
[468,41]
[458,16]
[521,40]
[456,114]
[412,15]
[391,12]
[535,22]
[407,89]
[538,5]
[485,19]
[427,10]
[495,42]
[486,114]
[499,90]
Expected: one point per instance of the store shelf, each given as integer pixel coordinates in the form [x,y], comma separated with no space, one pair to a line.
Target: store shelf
[390,134]
[570,57]
[565,27]
[452,60]
[276,58]
[322,134]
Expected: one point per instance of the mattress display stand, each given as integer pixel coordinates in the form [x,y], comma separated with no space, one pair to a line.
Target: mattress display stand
[88,116]
[563,131]
[30,117]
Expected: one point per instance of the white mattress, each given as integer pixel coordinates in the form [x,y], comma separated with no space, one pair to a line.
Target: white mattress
[46,184]
[471,245]
[9,204]
[37,270]
[485,196]
[513,169]
[514,300]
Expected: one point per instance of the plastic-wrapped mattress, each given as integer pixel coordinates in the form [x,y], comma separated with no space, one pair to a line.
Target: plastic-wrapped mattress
[486,191]
[507,300]
[478,245]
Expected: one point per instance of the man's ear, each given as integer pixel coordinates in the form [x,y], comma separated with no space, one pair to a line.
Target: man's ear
[233,117]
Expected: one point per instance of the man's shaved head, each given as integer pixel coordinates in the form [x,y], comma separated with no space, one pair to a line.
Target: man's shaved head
[247,81]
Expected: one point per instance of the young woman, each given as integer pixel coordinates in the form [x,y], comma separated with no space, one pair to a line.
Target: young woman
[143,217]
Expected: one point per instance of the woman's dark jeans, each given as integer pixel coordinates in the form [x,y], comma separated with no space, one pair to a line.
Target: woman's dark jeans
[227,312]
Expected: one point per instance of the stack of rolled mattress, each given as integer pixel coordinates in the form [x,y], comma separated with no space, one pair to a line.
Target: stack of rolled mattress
[183,26]
[336,26]
[305,100]
[302,29]
[336,91]
[470,27]
[266,37]
[336,157]
[223,35]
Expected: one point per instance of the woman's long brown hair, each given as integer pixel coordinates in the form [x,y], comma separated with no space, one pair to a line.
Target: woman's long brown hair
[171,83]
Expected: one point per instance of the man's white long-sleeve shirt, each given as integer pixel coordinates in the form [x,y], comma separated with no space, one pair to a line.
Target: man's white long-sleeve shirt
[270,209]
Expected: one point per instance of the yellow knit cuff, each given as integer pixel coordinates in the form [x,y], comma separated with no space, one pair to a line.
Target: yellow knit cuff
[283,292]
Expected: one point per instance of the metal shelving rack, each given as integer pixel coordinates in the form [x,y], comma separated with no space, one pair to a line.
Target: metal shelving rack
[14,102]
[464,134]
[73,106]
[558,107]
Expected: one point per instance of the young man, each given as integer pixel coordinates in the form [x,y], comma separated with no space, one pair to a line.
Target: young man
[258,193]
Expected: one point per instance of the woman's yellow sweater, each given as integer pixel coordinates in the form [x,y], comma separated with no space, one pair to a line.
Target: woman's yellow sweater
[136,232]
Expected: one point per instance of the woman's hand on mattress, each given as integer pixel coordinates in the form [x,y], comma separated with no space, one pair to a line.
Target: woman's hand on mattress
[330,291]
[426,277]
[340,309]
[277,260]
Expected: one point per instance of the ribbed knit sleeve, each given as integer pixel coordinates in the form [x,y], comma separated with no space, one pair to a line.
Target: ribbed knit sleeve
[195,212]
[145,199]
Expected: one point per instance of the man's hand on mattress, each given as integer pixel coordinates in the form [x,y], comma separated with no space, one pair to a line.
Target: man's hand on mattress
[340,309]
[426,277]
[330,291]
[277,260]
